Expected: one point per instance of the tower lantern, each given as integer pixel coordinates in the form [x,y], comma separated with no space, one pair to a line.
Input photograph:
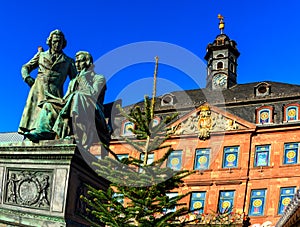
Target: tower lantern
[221,57]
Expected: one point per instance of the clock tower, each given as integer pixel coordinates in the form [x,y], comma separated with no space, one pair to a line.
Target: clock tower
[221,57]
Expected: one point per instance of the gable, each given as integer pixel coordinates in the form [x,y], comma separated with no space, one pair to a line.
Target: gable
[211,119]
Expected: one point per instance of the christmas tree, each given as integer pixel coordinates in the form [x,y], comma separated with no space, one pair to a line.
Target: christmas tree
[139,194]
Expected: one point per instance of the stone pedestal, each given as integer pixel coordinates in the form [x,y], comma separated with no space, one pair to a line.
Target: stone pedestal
[41,183]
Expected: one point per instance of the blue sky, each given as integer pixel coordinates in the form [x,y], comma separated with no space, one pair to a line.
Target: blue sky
[118,33]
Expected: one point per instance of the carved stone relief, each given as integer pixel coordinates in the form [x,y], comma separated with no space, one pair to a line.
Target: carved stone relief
[28,188]
[219,122]
[204,122]
[189,126]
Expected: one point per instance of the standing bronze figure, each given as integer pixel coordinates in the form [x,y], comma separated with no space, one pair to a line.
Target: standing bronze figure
[53,68]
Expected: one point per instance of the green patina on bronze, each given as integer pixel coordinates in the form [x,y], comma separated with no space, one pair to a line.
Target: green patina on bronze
[53,68]
[79,114]
[83,111]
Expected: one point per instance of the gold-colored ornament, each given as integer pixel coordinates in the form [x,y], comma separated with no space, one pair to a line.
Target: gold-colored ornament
[205,122]
[221,23]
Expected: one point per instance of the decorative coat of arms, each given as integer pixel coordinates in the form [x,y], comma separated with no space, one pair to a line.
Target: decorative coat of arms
[28,188]
[204,123]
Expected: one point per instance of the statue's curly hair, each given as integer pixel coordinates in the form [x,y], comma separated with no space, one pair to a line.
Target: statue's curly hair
[59,33]
[88,57]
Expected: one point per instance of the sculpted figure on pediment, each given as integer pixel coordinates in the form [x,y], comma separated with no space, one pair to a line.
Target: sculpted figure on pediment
[189,126]
[204,122]
[219,122]
[231,125]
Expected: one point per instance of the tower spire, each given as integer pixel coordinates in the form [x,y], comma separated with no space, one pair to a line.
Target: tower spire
[221,57]
[221,23]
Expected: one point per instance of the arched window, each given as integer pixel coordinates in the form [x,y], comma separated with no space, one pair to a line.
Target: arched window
[231,67]
[220,56]
[126,129]
[155,121]
[291,112]
[220,65]
[264,115]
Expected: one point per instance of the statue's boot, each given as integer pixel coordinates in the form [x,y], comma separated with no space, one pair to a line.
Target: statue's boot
[22,130]
[37,136]
[32,137]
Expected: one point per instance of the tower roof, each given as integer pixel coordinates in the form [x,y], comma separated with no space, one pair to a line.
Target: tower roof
[222,41]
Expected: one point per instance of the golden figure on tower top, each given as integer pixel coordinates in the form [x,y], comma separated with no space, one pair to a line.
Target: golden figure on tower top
[221,23]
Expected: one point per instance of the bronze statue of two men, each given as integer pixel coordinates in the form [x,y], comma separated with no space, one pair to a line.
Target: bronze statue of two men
[79,113]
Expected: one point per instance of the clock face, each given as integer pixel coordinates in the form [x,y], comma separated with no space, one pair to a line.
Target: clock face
[220,80]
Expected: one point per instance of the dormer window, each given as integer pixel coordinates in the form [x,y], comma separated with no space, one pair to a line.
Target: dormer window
[262,89]
[264,115]
[167,100]
[126,128]
[156,121]
[220,65]
[291,112]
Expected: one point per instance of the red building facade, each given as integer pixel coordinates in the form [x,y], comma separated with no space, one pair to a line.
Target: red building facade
[242,139]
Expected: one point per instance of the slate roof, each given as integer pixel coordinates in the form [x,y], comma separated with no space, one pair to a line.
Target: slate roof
[11,137]
[238,93]
[240,100]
